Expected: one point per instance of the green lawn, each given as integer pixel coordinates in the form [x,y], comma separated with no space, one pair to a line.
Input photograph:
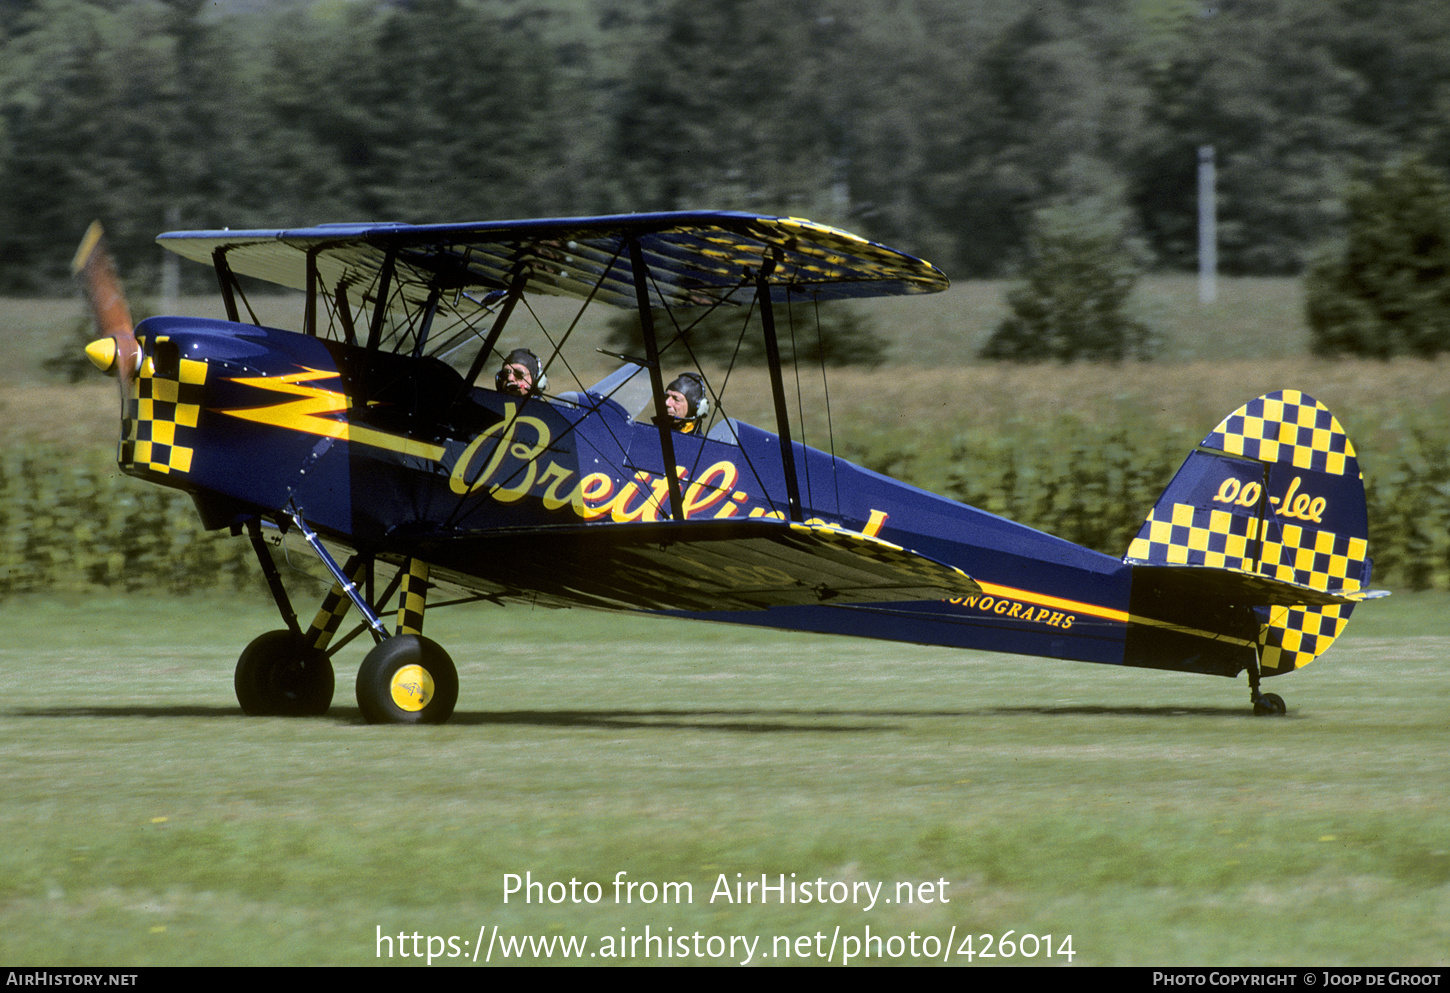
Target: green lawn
[1146,814]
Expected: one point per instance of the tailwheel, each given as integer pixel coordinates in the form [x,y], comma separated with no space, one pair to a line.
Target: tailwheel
[407,679]
[1269,705]
[278,674]
[1265,704]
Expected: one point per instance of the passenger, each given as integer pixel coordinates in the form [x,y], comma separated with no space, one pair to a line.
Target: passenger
[686,403]
[522,375]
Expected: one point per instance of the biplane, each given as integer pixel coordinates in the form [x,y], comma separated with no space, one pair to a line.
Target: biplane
[378,441]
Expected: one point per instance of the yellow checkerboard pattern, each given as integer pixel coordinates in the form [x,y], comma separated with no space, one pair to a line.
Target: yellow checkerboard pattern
[1293,636]
[1287,427]
[160,415]
[1196,536]
[1220,540]
[1321,559]
[1296,636]
[329,616]
[413,599]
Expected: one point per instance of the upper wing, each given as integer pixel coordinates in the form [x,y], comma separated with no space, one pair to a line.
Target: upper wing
[708,565]
[693,257]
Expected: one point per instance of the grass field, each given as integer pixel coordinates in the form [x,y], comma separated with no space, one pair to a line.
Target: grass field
[1146,814]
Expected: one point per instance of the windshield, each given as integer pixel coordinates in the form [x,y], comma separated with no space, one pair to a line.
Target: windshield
[627,386]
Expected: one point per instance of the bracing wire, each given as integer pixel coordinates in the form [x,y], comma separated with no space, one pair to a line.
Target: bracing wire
[826,393]
[800,403]
[681,336]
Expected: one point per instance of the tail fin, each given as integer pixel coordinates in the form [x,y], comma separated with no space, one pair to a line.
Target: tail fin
[1269,512]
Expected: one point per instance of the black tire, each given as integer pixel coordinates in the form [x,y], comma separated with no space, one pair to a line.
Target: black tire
[1270,705]
[407,680]
[279,676]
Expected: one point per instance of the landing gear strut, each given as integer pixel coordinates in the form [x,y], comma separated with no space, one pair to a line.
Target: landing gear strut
[1265,704]
[408,679]
[405,678]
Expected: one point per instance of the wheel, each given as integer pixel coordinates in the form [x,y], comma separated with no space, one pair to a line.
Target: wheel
[1270,705]
[407,680]
[278,675]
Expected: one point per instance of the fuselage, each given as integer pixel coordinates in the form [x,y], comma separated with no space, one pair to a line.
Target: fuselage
[378,451]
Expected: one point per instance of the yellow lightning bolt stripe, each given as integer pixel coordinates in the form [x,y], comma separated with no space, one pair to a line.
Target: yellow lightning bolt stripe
[312,414]
[1056,603]
[1095,610]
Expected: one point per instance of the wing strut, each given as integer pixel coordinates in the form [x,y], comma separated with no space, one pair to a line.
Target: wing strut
[309,315]
[777,387]
[385,286]
[344,313]
[515,291]
[227,280]
[656,379]
[430,309]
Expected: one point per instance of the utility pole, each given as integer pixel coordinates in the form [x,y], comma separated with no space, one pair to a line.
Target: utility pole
[1207,227]
[170,266]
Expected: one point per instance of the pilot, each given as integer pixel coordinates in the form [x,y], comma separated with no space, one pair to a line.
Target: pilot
[522,375]
[686,403]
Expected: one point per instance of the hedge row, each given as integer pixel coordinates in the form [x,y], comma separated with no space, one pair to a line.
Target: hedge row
[1090,487]
[1096,487]
[72,523]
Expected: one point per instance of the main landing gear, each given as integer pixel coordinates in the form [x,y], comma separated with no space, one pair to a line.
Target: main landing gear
[405,678]
[280,674]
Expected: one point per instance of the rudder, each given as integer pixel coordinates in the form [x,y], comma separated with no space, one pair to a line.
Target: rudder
[1274,497]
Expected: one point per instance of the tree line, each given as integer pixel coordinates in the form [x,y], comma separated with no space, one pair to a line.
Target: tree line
[939,126]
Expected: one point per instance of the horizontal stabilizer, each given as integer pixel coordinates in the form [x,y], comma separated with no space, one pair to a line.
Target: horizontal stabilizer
[1232,586]
[695,566]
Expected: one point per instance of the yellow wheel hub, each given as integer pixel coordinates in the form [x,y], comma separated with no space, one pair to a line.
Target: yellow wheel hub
[412,688]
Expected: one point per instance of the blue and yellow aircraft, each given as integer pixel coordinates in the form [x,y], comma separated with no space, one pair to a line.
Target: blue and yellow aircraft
[378,437]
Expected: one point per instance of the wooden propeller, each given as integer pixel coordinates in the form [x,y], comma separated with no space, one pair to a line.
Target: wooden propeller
[116,350]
